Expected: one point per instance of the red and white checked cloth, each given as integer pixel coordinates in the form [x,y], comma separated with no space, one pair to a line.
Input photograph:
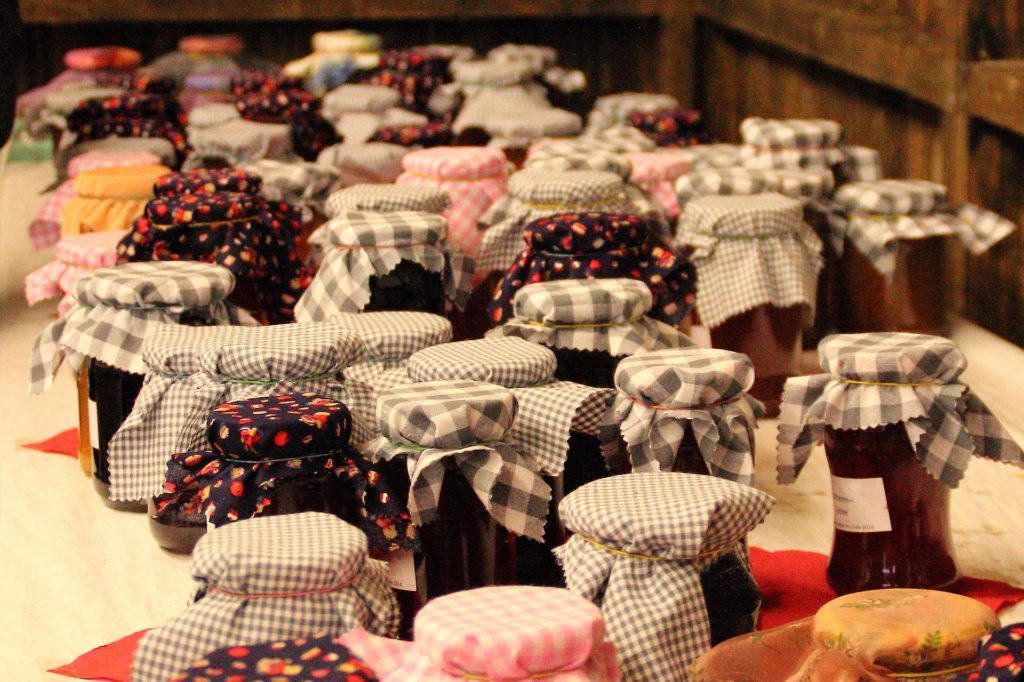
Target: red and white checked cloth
[656,174]
[77,255]
[497,633]
[44,231]
[473,177]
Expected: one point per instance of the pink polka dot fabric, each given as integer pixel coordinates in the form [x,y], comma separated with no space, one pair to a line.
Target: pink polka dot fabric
[656,174]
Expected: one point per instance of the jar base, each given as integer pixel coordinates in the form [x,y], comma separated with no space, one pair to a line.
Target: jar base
[103,490]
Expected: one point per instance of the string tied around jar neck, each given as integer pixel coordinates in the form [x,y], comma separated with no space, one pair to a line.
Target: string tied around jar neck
[709,554]
[706,406]
[283,595]
[586,325]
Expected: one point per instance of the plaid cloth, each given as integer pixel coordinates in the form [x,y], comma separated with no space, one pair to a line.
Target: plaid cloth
[139,450]
[236,141]
[431,421]
[373,162]
[810,184]
[367,244]
[357,98]
[277,577]
[539,57]
[77,255]
[656,174]
[507,362]
[474,178]
[608,315]
[662,393]
[492,89]
[861,164]
[877,216]
[674,526]
[506,633]
[805,143]
[700,156]
[387,199]
[301,183]
[117,307]
[514,128]
[533,195]
[612,110]
[760,242]
[548,160]
[909,378]
[790,133]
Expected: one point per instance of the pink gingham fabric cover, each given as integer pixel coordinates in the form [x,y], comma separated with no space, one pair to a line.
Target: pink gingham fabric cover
[656,174]
[473,177]
[44,231]
[77,255]
[507,633]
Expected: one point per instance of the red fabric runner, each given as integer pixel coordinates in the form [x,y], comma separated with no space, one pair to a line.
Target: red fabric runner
[64,443]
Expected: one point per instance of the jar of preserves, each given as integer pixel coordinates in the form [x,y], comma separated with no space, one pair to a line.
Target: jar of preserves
[899,428]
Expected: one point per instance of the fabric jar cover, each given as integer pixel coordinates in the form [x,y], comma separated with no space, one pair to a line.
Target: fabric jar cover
[357,110]
[612,141]
[608,315]
[885,378]
[716,155]
[294,358]
[208,181]
[367,244]
[218,132]
[1000,657]
[674,127]
[877,216]
[548,409]
[813,185]
[45,229]
[598,246]
[279,106]
[760,242]
[492,89]
[139,450]
[109,198]
[261,81]
[612,110]
[508,633]
[77,255]
[513,128]
[293,660]
[432,134]
[373,162]
[568,155]
[662,393]
[387,199]
[117,307]
[535,194]
[300,183]
[102,57]
[656,174]
[539,57]
[130,115]
[804,143]
[472,177]
[278,577]
[212,43]
[469,421]
[640,543]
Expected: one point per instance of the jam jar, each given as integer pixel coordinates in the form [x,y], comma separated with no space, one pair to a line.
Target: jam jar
[112,394]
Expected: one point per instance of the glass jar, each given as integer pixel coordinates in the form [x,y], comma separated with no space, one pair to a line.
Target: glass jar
[409,286]
[112,394]
[892,518]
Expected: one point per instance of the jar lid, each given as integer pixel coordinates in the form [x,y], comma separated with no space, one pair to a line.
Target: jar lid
[788,133]
[595,160]
[433,134]
[446,415]
[756,216]
[387,199]
[67,99]
[214,79]
[892,197]
[119,182]
[345,40]
[512,633]
[275,107]
[90,249]
[358,98]
[416,60]
[280,554]
[621,104]
[397,229]
[793,183]
[210,115]
[212,43]
[296,182]
[539,57]
[905,630]
[208,181]
[567,190]
[533,124]
[100,58]
[684,377]
[261,81]
[155,285]
[376,162]
[199,210]
[581,234]
[104,158]
[891,357]
[279,427]
[392,334]
[492,73]
[173,349]
[456,163]
[584,302]
[506,361]
[130,106]
[652,167]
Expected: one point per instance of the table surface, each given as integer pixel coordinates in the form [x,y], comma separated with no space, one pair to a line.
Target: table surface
[75,575]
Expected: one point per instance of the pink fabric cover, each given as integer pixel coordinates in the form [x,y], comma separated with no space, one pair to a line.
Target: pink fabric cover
[45,229]
[473,177]
[497,633]
[105,57]
[657,174]
[77,255]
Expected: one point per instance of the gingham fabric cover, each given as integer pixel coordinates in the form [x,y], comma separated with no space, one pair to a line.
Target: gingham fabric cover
[611,110]
[365,244]
[473,177]
[663,393]
[387,199]
[117,308]
[513,128]
[507,362]
[490,89]
[861,164]
[274,555]
[469,420]
[236,140]
[76,256]
[750,251]
[656,174]
[619,140]
[539,57]
[790,133]
[373,162]
[596,160]
[359,97]
[538,194]
[301,183]
[877,216]
[293,358]
[700,156]
[945,422]
[608,315]
[138,452]
[804,143]
[795,183]
[654,609]
[508,633]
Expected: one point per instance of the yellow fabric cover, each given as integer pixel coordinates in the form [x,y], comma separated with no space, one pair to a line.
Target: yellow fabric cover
[109,198]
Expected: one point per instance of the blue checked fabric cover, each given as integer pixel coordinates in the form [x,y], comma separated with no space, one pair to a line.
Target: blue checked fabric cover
[750,251]
[663,393]
[945,422]
[240,569]
[117,307]
[680,524]
[469,421]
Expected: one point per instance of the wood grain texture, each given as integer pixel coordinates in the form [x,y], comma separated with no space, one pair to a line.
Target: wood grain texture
[995,90]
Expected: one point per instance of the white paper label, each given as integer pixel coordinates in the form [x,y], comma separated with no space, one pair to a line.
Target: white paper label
[402,570]
[860,505]
[94,426]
